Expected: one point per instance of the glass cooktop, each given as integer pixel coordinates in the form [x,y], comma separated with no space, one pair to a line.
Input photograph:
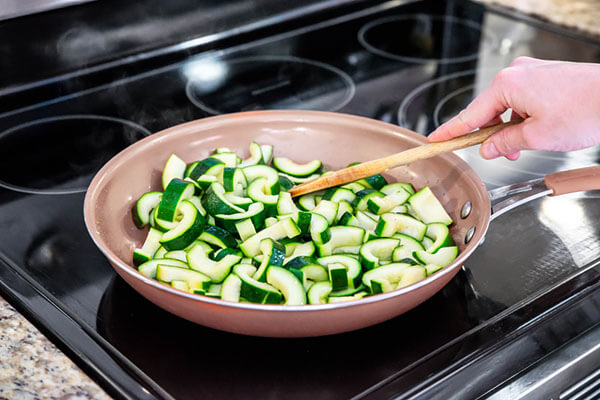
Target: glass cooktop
[410,63]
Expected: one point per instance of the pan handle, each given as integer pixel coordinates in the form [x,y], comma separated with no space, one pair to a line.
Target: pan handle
[576,180]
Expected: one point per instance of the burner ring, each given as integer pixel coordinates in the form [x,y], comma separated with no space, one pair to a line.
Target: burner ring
[458,22]
[136,130]
[336,103]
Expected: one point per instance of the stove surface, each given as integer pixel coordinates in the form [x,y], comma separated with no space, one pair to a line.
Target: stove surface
[410,63]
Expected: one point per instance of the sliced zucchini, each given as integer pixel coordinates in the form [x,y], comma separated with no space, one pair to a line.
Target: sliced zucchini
[256,156]
[360,203]
[216,270]
[442,257]
[209,166]
[441,237]
[396,187]
[177,191]
[168,273]
[215,202]
[218,237]
[288,284]
[407,245]
[285,204]
[373,252]
[253,290]
[390,224]
[149,247]
[328,209]
[341,237]
[245,229]
[256,213]
[187,230]
[231,287]
[428,208]
[149,267]
[289,167]
[284,228]
[174,168]
[230,159]
[273,254]
[319,293]
[267,153]
[387,276]
[143,208]
[263,171]
[233,180]
[351,264]
[412,274]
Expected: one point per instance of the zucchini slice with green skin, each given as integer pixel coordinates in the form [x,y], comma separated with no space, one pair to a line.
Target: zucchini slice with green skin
[174,168]
[319,229]
[376,181]
[290,167]
[307,201]
[342,299]
[360,203]
[273,254]
[160,252]
[149,247]
[373,252]
[186,231]
[343,208]
[288,284]
[239,201]
[328,209]
[390,224]
[352,265]
[149,267]
[341,237]
[209,166]
[315,272]
[219,255]
[284,228]
[428,208]
[177,191]
[216,270]
[337,194]
[348,292]
[406,247]
[245,229]
[264,171]
[285,183]
[302,249]
[230,159]
[253,290]
[442,257]
[218,237]
[412,274]
[267,153]
[427,242]
[298,180]
[354,186]
[258,190]
[215,202]
[432,269]
[338,276]
[181,285]
[441,237]
[381,205]
[168,273]
[396,187]
[387,276]
[319,293]
[143,208]
[180,255]
[233,180]
[300,262]
[255,158]
[231,287]
[256,213]
[285,204]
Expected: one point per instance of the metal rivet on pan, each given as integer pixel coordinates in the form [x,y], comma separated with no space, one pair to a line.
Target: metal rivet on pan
[469,234]
[466,210]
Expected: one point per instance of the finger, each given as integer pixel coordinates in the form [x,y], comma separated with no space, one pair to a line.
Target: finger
[485,108]
[508,142]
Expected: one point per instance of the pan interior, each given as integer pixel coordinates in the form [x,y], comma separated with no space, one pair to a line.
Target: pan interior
[336,139]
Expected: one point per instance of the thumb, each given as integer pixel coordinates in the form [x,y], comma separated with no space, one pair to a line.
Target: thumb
[507,142]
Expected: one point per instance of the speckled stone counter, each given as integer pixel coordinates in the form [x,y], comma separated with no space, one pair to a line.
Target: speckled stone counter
[579,15]
[31,367]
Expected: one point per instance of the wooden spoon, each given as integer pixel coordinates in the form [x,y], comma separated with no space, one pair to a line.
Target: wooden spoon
[380,165]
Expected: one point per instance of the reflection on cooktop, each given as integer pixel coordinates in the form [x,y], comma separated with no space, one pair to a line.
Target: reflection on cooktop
[63,153]
[424,38]
[266,82]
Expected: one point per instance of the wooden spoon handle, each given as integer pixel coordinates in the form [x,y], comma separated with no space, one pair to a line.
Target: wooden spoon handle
[380,165]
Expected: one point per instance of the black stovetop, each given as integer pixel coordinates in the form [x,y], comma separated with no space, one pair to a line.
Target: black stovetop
[412,63]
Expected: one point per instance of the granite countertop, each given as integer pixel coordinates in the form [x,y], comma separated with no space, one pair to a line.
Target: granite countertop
[578,15]
[31,367]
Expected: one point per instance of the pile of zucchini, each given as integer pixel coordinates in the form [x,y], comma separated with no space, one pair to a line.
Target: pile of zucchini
[225,227]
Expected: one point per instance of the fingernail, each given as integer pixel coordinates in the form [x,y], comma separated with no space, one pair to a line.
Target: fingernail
[488,150]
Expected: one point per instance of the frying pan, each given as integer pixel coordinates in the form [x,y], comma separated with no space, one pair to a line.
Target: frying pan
[335,138]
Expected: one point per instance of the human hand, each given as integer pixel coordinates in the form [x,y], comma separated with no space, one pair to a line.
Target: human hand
[559,102]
